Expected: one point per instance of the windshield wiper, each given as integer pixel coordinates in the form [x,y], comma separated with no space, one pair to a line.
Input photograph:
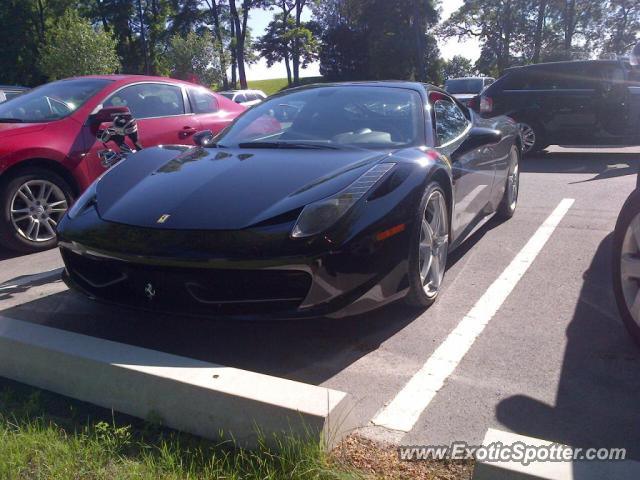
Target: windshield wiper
[312,146]
[10,120]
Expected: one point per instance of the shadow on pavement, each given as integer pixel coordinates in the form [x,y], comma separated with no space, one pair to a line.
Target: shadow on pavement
[603,165]
[598,398]
[310,351]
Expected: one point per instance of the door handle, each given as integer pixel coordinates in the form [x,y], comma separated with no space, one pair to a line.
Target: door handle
[187,132]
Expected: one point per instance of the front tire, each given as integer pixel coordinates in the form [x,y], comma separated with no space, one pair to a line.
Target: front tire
[32,203]
[429,248]
[626,265]
[509,202]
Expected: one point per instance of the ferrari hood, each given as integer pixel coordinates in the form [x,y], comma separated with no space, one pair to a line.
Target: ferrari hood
[223,189]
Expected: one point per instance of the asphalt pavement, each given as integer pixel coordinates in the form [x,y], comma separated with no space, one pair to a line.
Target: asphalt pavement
[553,362]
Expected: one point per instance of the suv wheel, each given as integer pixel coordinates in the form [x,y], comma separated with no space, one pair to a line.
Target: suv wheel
[532,138]
[31,205]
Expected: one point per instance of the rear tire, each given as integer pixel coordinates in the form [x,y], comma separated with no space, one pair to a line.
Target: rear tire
[626,249]
[509,202]
[532,135]
[429,247]
[32,202]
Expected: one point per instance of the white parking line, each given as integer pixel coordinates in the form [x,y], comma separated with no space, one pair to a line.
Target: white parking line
[405,409]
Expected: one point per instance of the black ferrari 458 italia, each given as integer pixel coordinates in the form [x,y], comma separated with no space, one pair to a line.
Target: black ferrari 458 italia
[326,200]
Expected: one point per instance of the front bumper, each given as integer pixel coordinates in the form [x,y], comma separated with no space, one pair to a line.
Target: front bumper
[236,274]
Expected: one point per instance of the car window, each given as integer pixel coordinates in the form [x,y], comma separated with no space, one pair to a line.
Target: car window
[149,100]
[240,98]
[463,85]
[202,101]
[52,101]
[370,117]
[450,121]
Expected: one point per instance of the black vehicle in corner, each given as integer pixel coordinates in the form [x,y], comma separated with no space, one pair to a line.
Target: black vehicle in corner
[578,103]
[353,201]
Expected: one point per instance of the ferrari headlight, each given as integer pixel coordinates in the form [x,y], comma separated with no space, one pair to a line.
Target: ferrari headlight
[318,216]
[83,200]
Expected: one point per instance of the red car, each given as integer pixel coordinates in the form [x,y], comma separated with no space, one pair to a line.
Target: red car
[48,145]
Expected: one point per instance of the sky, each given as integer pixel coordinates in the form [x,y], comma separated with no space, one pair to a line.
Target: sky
[259,19]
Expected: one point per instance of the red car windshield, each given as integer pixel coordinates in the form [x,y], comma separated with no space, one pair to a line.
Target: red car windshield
[52,101]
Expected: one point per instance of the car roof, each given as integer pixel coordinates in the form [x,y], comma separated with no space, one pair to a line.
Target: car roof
[369,83]
[469,78]
[120,78]
[535,66]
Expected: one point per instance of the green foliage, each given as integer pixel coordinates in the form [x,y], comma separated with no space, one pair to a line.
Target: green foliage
[517,32]
[73,47]
[46,436]
[457,66]
[194,57]
[378,39]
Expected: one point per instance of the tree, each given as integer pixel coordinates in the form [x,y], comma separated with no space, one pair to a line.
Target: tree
[621,26]
[73,47]
[276,44]
[215,9]
[458,66]
[194,57]
[240,19]
[378,39]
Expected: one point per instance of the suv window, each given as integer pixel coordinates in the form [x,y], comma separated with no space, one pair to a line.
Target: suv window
[149,100]
[451,122]
[202,101]
[556,77]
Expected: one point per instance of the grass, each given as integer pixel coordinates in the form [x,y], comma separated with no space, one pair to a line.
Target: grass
[47,436]
[274,85]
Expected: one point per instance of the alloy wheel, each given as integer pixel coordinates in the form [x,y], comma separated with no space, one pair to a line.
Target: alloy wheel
[36,208]
[528,136]
[630,268]
[433,244]
[513,181]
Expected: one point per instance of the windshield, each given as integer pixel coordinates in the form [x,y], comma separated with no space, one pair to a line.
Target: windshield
[463,85]
[52,101]
[368,117]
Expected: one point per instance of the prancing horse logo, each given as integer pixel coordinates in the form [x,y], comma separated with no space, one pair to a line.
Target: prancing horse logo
[149,291]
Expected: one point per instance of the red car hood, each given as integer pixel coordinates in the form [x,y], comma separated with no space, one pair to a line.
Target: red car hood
[10,129]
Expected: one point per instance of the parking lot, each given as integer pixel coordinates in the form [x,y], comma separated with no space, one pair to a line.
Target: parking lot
[554,362]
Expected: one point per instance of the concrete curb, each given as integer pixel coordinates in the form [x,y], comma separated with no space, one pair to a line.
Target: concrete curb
[578,470]
[189,395]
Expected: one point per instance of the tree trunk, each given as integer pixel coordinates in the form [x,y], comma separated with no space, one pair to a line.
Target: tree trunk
[240,31]
[234,61]
[507,27]
[215,14]
[295,54]
[569,25]
[287,52]
[143,38]
[537,39]
[41,29]
[419,31]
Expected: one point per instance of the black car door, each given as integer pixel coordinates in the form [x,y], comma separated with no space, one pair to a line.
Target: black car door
[568,104]
[473,172]
[612,102]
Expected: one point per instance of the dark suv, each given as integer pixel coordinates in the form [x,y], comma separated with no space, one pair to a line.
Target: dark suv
[595,102]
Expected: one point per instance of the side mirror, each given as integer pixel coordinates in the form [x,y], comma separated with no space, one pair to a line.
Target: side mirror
[204,138]
[107,114]
[478,137]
